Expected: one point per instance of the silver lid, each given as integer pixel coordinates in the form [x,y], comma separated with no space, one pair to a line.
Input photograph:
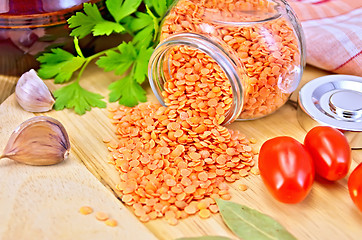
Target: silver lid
[334,100]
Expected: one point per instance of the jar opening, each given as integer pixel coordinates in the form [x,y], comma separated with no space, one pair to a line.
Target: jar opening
[160,70]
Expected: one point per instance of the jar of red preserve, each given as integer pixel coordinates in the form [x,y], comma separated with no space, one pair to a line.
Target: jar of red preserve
[238,58]
[29,27]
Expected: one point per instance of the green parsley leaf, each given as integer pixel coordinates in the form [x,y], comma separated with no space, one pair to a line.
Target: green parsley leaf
[143,27]
[141,64]
[106,28]
[120,62]
[139,22]
[59,64]
[83,23]
[120,9]
[128,49]
[74,96]
[114,61]
[160,6]
[127,91]
[91,21]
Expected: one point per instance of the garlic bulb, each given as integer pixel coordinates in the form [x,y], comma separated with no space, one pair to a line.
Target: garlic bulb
[40,140]
[32,94]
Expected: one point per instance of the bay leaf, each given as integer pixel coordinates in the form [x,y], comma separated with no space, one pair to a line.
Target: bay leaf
[205,238]
[249,224]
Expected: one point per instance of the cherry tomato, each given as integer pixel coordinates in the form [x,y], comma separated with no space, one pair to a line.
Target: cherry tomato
[355,186]
[286,168]
[330,151]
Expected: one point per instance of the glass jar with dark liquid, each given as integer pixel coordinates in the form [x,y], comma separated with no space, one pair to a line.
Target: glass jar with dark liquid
[28,27]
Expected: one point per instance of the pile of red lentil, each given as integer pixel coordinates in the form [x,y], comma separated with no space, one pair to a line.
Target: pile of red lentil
[174,162]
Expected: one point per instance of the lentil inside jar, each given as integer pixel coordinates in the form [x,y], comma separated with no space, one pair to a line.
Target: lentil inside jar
[198,83]
[261,41]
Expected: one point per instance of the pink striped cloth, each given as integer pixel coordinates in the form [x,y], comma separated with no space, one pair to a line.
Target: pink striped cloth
[333,32]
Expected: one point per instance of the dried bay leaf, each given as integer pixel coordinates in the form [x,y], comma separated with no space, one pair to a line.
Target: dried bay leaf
[248,223]
[205,238]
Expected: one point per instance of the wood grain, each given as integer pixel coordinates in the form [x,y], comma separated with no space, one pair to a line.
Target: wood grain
[7,86]
[56,192]
[42,202]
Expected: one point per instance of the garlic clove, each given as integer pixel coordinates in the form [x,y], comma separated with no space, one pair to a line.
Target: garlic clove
[32,94]
[40,140]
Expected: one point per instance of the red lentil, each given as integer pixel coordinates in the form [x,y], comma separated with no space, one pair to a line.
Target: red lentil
[242,187]
[101,216]
[85,210]
[111,222]
[204,213]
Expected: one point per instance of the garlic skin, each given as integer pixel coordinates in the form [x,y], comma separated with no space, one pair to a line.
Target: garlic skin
[32,94]
[39,140]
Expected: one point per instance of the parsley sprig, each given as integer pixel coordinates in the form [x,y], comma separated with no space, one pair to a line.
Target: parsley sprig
[128,60]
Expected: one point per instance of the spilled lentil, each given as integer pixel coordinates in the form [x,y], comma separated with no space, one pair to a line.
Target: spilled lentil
[111,222]
[100,216]
[85,210]
[174,162]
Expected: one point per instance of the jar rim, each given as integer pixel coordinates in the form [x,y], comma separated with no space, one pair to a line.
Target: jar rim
[212,49]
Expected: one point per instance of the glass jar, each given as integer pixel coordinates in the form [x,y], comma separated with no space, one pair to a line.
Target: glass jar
[253,50]
[28,27]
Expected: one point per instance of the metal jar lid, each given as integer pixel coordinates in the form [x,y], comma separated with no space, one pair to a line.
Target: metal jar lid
[336,101]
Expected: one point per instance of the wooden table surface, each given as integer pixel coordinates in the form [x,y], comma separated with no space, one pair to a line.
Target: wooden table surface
[43,202]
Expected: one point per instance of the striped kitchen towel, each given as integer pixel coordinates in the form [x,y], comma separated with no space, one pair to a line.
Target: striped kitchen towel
[333,32]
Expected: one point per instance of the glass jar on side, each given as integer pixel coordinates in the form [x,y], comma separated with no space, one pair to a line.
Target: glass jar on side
[252,50]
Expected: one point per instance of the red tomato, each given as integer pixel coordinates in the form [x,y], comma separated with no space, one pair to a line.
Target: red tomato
[330,152]
[286,168]
[355,186]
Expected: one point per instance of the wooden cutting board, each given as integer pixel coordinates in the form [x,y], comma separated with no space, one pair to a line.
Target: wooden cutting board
[43,202]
